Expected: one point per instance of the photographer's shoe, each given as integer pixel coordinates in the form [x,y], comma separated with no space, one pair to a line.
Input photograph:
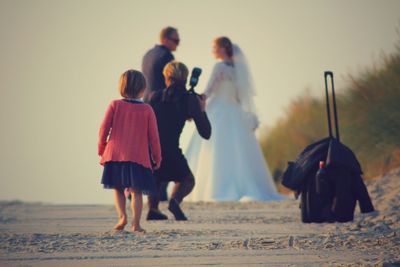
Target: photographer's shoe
[156,216]
[176,210]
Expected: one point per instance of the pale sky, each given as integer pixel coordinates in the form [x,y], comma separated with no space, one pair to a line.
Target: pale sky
[60,62]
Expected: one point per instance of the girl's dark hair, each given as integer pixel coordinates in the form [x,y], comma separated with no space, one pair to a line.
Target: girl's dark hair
[131,84]
[226,43]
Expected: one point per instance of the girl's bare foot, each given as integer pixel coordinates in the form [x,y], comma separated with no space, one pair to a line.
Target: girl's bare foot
[138,229]
[121,224]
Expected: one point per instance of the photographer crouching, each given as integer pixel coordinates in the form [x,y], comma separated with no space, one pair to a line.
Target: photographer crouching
[173,106]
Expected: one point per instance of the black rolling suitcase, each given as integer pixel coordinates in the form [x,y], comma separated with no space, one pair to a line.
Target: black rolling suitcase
[327,176]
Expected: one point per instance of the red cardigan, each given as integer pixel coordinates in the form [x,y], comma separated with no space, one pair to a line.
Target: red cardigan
[133,136]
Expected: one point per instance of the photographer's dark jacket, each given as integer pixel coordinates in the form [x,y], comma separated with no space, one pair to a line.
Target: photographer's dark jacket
[173,106]
[153,64]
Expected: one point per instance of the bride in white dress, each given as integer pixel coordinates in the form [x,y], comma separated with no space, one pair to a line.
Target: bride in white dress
[230,166]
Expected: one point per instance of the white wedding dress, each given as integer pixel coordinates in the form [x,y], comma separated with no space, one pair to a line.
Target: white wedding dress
[230,166]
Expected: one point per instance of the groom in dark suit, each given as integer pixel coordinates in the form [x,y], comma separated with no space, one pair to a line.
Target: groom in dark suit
[155,60]
[153,64]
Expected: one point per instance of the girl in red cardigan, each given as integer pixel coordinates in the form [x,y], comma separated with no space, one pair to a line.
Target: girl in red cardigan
[129,147]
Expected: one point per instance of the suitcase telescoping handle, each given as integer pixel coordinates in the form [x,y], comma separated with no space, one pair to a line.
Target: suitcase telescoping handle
[328,109]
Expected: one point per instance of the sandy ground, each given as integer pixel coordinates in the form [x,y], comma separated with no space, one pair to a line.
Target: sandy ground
[217,234]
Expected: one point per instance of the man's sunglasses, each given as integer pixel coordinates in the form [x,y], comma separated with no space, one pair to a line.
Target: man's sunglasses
[176,41]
